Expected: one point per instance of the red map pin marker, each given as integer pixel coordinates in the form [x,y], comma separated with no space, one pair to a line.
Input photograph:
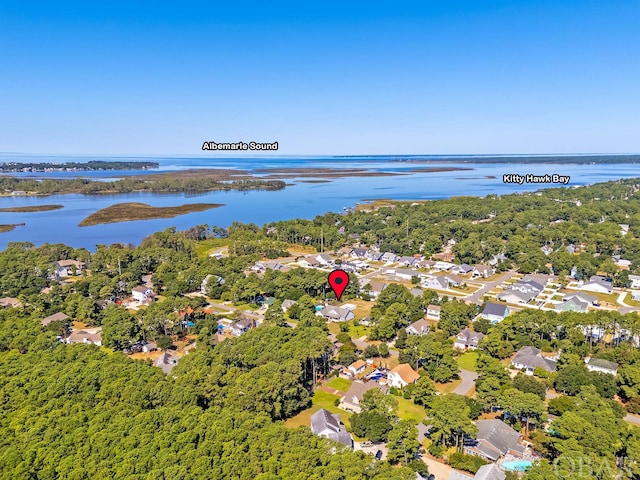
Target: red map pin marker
[338,279]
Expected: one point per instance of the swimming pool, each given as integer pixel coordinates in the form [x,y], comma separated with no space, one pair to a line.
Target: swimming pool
[516,465]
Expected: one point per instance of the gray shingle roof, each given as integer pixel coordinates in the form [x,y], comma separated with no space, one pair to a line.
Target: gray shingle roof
[495,436]
[327,424]
[495,309]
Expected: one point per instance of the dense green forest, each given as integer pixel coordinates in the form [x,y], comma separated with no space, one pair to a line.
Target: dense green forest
[133,184]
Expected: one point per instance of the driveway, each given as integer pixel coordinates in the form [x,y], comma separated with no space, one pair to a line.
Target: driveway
[468,382]
[631,418]
[440,470]
[475,297]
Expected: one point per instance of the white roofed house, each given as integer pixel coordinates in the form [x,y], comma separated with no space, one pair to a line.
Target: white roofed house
[433,311]
[467,340]
[495,312]
[598,284]
[635,281]
[324,259]
[142,294]
[497,259]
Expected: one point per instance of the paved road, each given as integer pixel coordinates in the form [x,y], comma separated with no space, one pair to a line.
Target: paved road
[468,381]
[475,297]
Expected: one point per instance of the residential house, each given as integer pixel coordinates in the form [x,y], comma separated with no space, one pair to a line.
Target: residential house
[443,266]
[495,312]
[621,263]
[6,302]
[433,311]
[324,259]
[408,261]
[242,325]
[389,257]
[56,317]
[402,375]
[530,358]
[516,296]
[635,281]
[467,340]
[435,282]
[521,292]
[600,365]
[483,271]
[142,294]
[624,228]
[82,336]
[463,269]
[574,273]
[582,297]
[573,305]
[336,314]
[454,280]
[497,259]
[326,424]
[495,439]
[598,284]
[444,256]
[357,367]
[309,262]
[360,253]
[166,362]
[287,304]
[351,400]
[67,268]
[419,328]
[427,264]
[374,255]
[354,236]
[547,250]
[571,248]
[490,471]
[377,288]
[403,273]
[206,281]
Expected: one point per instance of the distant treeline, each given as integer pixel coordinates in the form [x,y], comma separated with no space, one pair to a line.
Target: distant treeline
[92,165]
[551,159]
[127,185]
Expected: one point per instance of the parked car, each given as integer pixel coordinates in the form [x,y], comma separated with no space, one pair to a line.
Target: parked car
[378,454]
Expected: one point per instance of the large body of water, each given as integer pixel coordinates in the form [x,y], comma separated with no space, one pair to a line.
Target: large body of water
[301,200]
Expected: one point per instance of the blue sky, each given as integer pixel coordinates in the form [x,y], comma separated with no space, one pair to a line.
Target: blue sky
[441,77]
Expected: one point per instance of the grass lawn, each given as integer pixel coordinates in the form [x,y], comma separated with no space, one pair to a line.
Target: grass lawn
[363,308]
[467,361]
[205,247]
[321,399]
[334,328]
[357,331]
[338,383]
[449,387]
[407,410]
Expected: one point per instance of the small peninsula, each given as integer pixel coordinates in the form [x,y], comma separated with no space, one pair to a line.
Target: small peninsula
[15,167]
[31,208]
[131,211]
